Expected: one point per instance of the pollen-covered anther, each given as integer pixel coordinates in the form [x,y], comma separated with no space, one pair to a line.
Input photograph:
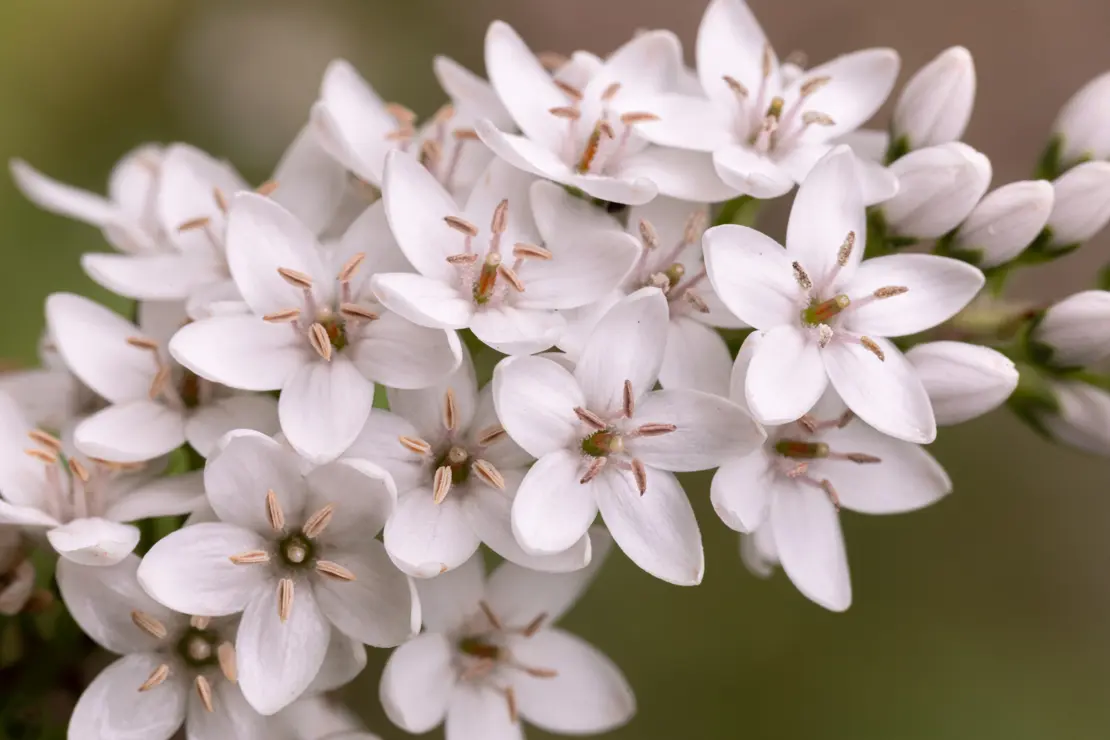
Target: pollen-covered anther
[148,624]
[193,224]
[489,474]
[274,514]
[143,343]
[694,226]
[639,474]
[204,691]
[860,458]
[798,470]
[490,435]
[595,467]
[570,90]
[285,598]
[350,267]
[78,469]
[296,278]
[845,251]
[530,251]
[628,399]
[358,312]
[871,346]
[468,258]
[318,522]
[696,301]
[824,335]
[634,117]
[816,118]
[461,225]
[267,188]
[611,91]
[334,570]
[225,654]
[802,276]
[280,317]
[533,627]
[511,277]
[648,235]
[500,217]
[490,615]
[589,418]
[441,483]
[654,430]
[567,112]
[45,439]
[415,444]
[250,557]
[736,86]
[890,291]
[320,341]
[813,84]
[465,134]
[44,456]
[450,410]
[157,678]
[400,113]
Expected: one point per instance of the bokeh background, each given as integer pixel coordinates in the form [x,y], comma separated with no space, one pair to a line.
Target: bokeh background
[983,617]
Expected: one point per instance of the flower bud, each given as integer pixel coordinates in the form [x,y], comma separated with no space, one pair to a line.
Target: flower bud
[1076,331]
[963,380]
[1082,418]
[1083,125]
[935,105]
[937,188]
[1005,222]
[1082,205]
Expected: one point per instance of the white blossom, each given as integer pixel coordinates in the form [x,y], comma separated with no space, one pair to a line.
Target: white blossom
[1083,124]
[1076,330]
[963,380]
[1005,222]
[937,188]
[1082,205]
[935,105]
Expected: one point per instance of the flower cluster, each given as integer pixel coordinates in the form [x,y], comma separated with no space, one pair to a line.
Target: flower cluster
[305,371]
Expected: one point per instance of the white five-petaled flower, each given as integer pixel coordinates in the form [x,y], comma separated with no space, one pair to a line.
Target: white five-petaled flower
[669,232]
[490,659]
[767,132]
[315,331]
[582,127]
[81,503]
[155,404]
[502,265]
[826,315]
[605,441]
[806,471]
[296,554]
[457,473]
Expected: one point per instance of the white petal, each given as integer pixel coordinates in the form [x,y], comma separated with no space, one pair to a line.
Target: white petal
[156,277]
[696,358]
[310,182]
[416,205]
[742,489]
[480,711]
[939,287]
[240,352]
[25,516]
[709,429]
[529,155]
[323,407]
[828,208]
[588,694]
[887,394]
[379,442]
[422,300]
[22,477]
[649,63]
[751,173]
[232,716]
[535,400]
[187,191]
[352,121]
[626,345]
[49,398]
[937,188]
[758,552]
[370,236]
[209,423]
[656,530]
[630,189]
[688,122]
[102,599]
[113,707]
[553,509]
[523,85]
[963,380]
[731,42]
[278,659]
[377,606]
[935,105]
[93,343]
[424,538]
[1006,221]
[190,571]
[449,600]
[583,269]
[561,216]
[136,431]
[738,381]
[811,547]
[320,716]
[858,85]
[679,174]
[752,276]
[468,90]
[241,472]
[1076,330]
[65,200]
[786,376]
[94,541]
[517,331]
[344,661]
[424,407]
[172,496]
[1083,420]
[397,353]
[362,493]
[907,479]
[417,683]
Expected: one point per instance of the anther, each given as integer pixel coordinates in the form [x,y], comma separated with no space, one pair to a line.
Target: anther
[465,134]
[611,91]
[488,436]
[489,474]
[802,276]
[350,267]
[654,430]
[816,118]
[525,251]
[274,514]
[768,60]
[468,258]
[404,133]
[697,301]
[334,570]
[490,615]
[318,522]
[500,217]
[812,85]
[511,277]
[430,153]
[635,117]
[871,346]
[399,112]
[278,317]
[589,418]
[143,343]
[267,188]
[225,653]
[415,444]
[736,86]
[648,235]
[594,469]
[355,311]
[204,691]
[831,493]
[461,224]
[77,468]
[157,678]
[890,291]
[824,335]
[198,622]
[534,626]
[450,410]
[220,198]
[445,113]
[193,224]
[44,456]
[628,399]
[606,130]
[510,699]
[285,598]
[639,473]
[45,439]
[148,624]
[296,278]
[441,484]
[569,89]
[845,419]
[250,557]
[861,458]
[695,225]
[320,341]
[563,111]
[540,672]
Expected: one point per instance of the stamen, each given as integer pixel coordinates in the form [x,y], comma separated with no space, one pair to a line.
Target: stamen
[415,444]
[511,277]
[589,418]
[808,423]
[204,691]
[334,570]
[736,86]
[871,346]
[890,291]
[350,267]
[648,235]
[534,626]
[250,557]
[824,335]
[441,484]
[628,399]
[159,383]
[277,317]
[465,134]
[594,468]
[267,188]
[695,225]
[149,624]
[768,59]
[355,311]
[318,522]
[285,598]
[539,672]
[461,224]
[220,198]
[697,301]
[500,217]
[607,130]
[571,114]
[828,488]
[143,343]
[78,469]
[320,341]
[296,278]
[860,458]
[629,119]
[488,436]
[813,84]
[42,456]
[193,224]
[845,419]
[157,678]
[200,623]
[569,89]
[611,91]
[654,430]
[462,259]
[493,620]
[524,251]
[510,699]
[802,276]
[812,117]
[225,653]
[489,474]
[402,114]
[450,412]
[846,248]
[274,514]
[639,473]
[431,152]
[45,439]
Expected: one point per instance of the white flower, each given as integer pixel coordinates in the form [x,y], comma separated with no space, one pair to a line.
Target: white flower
[606,442]
[127,216]
[319,718]
[1005,222]
[764,131]
[804,473]
[296,554]
[462,255]
[1082,417]
[935,105]
[155,405]
[669,232]
[1082,205]
[1076,331]
[583,130]
[457,473]
[315,331]
[490,659]
[963,380]
[937,188]
[1083,124]
[826,315]
[81,502]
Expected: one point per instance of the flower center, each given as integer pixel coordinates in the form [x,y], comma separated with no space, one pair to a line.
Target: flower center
[797,455]
[821,312]
[603,443]
[608,138]
[296,550]
[197,647]
[480,647]
[457,459]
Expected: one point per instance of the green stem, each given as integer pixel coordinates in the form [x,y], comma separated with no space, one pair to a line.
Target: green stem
[742,211]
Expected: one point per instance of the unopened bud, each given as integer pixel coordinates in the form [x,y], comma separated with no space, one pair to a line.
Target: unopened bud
[963,380]
[938,188]
[1082,417]
[1005,222]
[1082,206]
[1083,125]
[1076,331]
[935,105]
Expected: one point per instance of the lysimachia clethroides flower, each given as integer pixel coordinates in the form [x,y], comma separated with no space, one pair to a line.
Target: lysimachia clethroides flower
[1081,206]
[963,380]
[491,659]
[827,313]
[937,188]
[1075,332]
[1083,125]
[1004,223]
[935,105]
[605,441]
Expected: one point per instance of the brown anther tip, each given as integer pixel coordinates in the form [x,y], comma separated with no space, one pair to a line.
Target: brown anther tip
[611,91]
[355,311]
[441,483]
[490,435]
[812,85]
[204,691]
[533,251]
[430,152]
[500,217]
[350,267]
[318,522]
[403,115]
[149,624]
[78,470]
[250,557]
[655,430]
[490,615]
[461,224]
[629,119]
[533,627]
[808,423]
[416,445]
[462,259]
[862,458]
[45,439]
[274,513]
[445,113]
[890,291]
[220,198]
[541,672]
[296,278]
[695,299]
[159,382]
[802,276]
[285,599]
[334,570]
[648,235]
[607,130]
[736,86]
[143,343]
[846,248]
[465,134]
[567,112]
[194,224]
[511,277]
[589,418]
[845,419]
[824,335]
[639,473]
[277,317]
[570,90]
[489,474]
[873,347]
[592,471]
[628,398]
[42,456]
[450,410]
[267,188]
[157,678]
[817,118]
[321,342]
[768,60]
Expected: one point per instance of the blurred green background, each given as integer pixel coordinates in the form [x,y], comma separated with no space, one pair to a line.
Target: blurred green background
[983,617]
